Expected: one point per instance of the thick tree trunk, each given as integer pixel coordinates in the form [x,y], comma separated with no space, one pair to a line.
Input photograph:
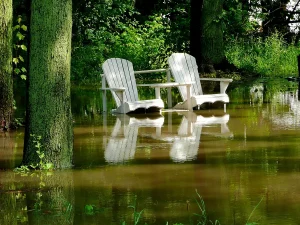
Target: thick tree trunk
[6,80]
[48,112]
[206,33]
[212,41]
[196,30]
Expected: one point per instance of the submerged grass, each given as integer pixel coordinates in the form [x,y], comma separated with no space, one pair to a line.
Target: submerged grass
[269,57]
[201,218]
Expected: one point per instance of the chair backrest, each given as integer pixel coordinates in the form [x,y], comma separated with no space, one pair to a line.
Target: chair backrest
[185,70]
[119,73]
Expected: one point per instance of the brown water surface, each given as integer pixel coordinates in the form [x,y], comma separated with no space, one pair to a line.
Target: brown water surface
[244,164]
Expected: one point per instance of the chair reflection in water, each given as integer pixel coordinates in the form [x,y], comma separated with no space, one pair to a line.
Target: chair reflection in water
[121,146]
[122,142]
[186,145]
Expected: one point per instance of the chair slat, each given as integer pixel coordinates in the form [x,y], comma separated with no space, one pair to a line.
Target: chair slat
[119,74]
[185,70]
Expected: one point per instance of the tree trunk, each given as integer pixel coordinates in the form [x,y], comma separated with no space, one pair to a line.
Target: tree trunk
[6,80]
[276,17]
[48,112]
[212,40]
[206,33]
[196,30]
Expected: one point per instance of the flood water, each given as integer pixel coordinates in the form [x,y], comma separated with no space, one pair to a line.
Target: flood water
[245,165]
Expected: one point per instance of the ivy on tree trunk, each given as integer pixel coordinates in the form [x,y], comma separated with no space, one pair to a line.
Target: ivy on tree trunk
[48,112]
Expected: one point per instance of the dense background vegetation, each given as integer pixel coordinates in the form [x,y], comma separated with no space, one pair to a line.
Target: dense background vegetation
[258,37]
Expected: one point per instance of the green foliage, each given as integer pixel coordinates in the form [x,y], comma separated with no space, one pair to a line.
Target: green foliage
[143,44]
[89,209]
[86,63]
[202,218]
[96,23]
[176,16]
[20,48]
[253,223]
[269,57]
[42,164]
[235,19]
[136,215]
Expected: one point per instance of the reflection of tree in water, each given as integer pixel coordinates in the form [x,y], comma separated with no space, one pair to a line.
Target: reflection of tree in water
[258,91]
[36,198]
[54,203]
[10,149]
[8,201]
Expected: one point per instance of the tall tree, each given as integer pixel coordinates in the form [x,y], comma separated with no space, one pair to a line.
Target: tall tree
[196,31]
[48,112]
[209,36]
[276,16]
[6,80]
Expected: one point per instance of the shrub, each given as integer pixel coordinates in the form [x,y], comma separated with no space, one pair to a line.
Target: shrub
[269,57]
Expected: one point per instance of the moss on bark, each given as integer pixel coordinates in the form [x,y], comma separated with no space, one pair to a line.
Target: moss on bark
[6,80]
[48,101]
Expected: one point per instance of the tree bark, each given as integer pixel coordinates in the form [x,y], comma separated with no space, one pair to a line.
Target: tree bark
[6,79]
[206,34]
[48,112]
[196,30]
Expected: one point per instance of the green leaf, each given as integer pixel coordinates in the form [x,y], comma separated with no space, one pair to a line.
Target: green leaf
[21,58]
[23,69]
[17,70]
[23,77]
[38,145]
[89,209]
[24,27]
[48,166]
[16,60]
[23,47]
[19,19]
[20,36]
[16,27]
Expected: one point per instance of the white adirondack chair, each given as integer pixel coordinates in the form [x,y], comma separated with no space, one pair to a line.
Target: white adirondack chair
[120,77]
[122,142]
[185,70]
[185,148]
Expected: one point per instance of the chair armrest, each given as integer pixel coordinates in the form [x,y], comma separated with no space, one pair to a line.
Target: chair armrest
[224,82]
[217,79]
[113,89]
[164,85]
[118,91]
[158,86]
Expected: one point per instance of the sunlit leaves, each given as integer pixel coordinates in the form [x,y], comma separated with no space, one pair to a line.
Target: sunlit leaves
[20,48]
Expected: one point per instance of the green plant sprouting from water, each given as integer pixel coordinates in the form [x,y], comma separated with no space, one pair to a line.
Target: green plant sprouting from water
[253,223]
[42,164]
[136,214]
[202,217]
